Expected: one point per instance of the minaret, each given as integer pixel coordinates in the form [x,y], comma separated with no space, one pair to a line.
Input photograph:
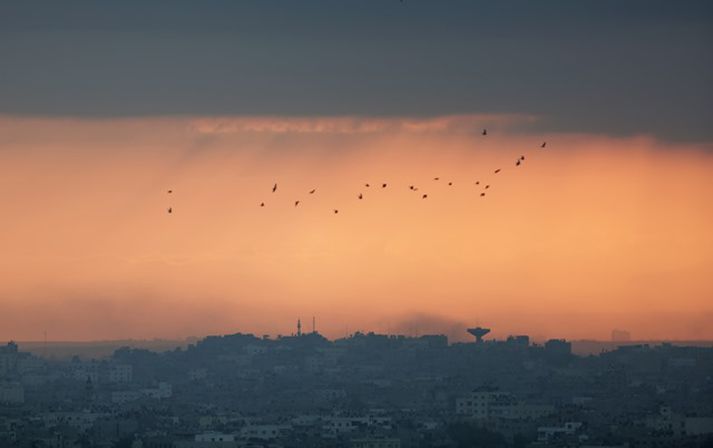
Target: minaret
[314,330]
[299,328]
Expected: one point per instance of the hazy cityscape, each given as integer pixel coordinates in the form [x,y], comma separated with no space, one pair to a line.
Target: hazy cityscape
[361,391]
[356,224]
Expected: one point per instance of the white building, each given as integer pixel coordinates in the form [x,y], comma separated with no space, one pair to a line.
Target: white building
[477,403]
[376,442]
[546,433]
[124,396]
[120,374]
[214,437]
[341,425]
[198,374]
[486,404]
[163,391]
[263,432]
[12,393]
[695,426]
[82,421]
[86,371]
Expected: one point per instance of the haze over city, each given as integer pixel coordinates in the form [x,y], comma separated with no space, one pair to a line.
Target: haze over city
[356,224]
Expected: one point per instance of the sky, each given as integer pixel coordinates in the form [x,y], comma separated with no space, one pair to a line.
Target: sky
[105,106]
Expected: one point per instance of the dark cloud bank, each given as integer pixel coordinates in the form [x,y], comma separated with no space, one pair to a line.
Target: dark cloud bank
[615,67]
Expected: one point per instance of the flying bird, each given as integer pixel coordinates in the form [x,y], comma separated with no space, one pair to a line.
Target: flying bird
[522,157]
[477,182]
[274,188]
[336,211]
[436,178]
[543,144]
[262,204]
[411,187]
[360,196]
[485,132]
[482,194]
[366,185]
[450,183]
[487,186]
[312,191]
[383,185]
[497,171]
[170,191]
[170,210]
[297,203]
[424,196]
[518,162]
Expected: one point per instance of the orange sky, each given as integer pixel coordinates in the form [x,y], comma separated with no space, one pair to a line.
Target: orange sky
[591,234]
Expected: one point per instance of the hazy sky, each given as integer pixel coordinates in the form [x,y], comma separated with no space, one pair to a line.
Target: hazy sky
[106,105]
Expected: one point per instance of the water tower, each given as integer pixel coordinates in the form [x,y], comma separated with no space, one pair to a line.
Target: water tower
[478,332]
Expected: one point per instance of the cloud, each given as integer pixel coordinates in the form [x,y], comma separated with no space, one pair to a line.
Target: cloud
[606,67]
[356,125]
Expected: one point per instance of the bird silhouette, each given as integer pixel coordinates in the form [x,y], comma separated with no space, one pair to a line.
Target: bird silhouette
[482,194]
[297,203]
[170,210]
[262,204]
[477,182]
[450,184]
[497,171]
[383,185]
[485,132]
[543,144]
[436,178]
[170,191]
[522,157]
[366,185]
[360,196]
[424,196]
[312,191]
[518,162]
[336,211]
[487,186]
[274,188]
[411,187]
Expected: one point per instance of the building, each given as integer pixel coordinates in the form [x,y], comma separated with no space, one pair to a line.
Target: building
[11,392]
[375,442]
[262,432]
[8,358]
[488,404]
[214,437]
[558,347]
[478,403]
[120,374]
[546,434]
[124,396]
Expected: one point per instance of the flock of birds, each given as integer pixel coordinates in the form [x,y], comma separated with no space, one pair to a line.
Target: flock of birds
[519,161]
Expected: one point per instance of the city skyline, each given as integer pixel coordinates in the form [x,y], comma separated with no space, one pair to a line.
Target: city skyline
[356,224]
